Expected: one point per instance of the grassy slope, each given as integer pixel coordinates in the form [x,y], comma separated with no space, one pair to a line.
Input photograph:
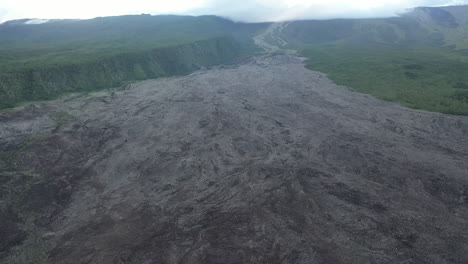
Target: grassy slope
[48,82]
[65,41]
[420,65]
[43,61]
[428,79]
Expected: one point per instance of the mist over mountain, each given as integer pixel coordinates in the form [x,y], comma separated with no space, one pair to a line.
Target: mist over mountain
[265,11]
[243,10]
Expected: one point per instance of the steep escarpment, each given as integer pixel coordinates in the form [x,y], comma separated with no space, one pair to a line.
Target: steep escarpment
[46,83]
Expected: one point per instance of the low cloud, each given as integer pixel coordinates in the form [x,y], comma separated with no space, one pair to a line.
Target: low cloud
[3,14]
[239,10]
[263,10]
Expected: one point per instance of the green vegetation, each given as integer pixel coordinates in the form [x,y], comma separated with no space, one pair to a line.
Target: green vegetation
[40,62]
[419,60]
[82,41]
[430,79]
[47,82]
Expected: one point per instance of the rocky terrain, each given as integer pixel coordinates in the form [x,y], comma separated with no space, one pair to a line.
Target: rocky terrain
[262,161]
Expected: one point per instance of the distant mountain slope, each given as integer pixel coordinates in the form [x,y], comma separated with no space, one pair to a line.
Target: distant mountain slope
[459,12]
[61,40]
[419,59]
[450,24]
[41,61]
[446,26]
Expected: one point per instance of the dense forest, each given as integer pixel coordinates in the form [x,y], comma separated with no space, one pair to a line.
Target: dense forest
[42,61]
[419,59]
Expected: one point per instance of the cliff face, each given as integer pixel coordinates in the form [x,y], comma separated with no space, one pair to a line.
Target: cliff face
[46,83]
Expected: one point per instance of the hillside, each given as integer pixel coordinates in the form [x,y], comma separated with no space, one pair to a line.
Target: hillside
[59,41]
[41,61]
[419,59]
[424,26]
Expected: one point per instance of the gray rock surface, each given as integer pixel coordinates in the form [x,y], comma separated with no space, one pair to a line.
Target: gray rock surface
[261,162]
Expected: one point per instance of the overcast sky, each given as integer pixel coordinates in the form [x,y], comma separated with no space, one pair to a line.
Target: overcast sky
[240,10]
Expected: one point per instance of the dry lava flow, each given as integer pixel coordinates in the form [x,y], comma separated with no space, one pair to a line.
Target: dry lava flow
[259,162]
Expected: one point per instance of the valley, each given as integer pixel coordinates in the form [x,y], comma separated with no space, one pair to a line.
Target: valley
[258,162]
[248,158]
